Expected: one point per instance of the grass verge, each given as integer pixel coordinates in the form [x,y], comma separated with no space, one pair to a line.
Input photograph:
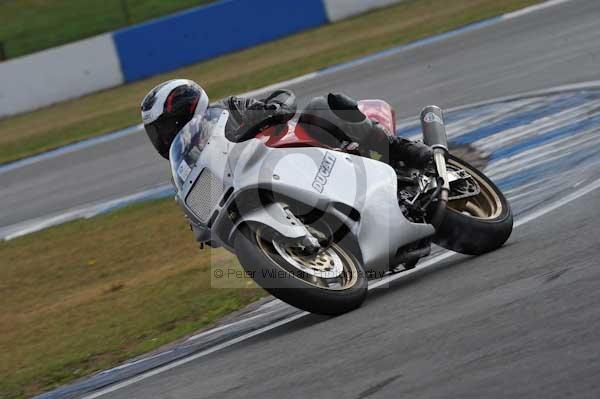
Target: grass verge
[89,294]
[27,26]
[95,114]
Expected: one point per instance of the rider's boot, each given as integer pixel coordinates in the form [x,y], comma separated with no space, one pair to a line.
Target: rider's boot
[413,154]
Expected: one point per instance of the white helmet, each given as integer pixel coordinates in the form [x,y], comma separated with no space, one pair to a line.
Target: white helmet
[168,107]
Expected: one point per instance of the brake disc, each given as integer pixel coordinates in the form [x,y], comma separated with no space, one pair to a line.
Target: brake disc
[325,264]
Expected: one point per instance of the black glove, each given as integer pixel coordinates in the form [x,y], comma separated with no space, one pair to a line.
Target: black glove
[251,112]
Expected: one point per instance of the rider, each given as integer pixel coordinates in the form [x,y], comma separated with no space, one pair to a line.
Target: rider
[171,105]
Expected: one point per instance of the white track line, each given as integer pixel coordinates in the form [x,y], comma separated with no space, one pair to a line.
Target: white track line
[198,355]
[571,197]
[535,215]
[535,8]
[11,232]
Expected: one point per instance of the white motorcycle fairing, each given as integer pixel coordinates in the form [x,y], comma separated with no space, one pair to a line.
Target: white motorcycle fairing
[330,181]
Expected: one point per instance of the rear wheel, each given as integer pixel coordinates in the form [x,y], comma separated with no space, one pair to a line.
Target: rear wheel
[331,282]
[475,224]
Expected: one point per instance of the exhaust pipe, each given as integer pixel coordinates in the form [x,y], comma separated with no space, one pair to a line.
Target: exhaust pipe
[434,135]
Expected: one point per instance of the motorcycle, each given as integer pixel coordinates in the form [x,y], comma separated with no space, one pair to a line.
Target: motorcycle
[312,223]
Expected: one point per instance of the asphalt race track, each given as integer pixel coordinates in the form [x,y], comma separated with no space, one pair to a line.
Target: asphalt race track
[523,321]
[520,322]
[554,46]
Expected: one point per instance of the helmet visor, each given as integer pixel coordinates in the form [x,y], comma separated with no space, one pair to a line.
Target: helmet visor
[161,133]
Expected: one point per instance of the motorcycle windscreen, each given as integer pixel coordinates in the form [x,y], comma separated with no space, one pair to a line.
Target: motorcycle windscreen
[189,144]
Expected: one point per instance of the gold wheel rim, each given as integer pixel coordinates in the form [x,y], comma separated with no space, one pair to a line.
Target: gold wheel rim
[346,279]
[486,205]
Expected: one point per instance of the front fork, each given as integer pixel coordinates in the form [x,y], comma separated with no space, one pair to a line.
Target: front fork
[434,135]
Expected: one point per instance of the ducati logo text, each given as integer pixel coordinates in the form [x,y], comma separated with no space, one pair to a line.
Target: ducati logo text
[324,172]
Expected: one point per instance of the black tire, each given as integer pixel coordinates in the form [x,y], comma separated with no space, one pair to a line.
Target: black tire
[269,272]
[472,235]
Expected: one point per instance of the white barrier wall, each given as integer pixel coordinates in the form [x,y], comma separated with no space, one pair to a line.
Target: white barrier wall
[340,9]
[58,74]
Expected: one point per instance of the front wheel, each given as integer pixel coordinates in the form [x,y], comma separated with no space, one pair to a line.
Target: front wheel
[331,283]
[477,224]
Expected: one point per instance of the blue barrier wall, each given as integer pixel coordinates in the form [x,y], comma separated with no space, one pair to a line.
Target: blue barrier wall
[202,33]
[161,46]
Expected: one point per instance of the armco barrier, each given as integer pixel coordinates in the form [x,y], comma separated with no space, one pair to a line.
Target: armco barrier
[203,33]
[58,74]
[340,9]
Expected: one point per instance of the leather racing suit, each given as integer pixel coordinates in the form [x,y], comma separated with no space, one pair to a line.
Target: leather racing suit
[332,120]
